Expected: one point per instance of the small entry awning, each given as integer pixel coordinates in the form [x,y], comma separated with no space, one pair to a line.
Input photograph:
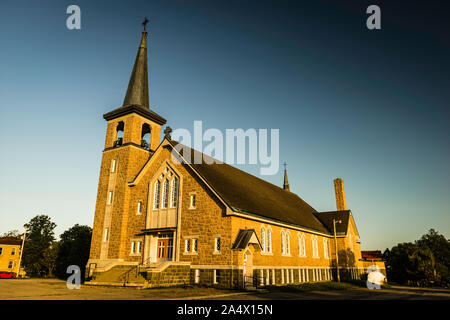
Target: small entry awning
[246,237]
[157,230]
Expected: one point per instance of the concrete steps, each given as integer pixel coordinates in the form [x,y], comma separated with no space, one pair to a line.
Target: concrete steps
[118,274]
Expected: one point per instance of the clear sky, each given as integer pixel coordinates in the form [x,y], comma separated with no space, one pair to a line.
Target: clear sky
[371,107]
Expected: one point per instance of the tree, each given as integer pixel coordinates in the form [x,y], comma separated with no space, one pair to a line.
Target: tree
[440,247]
[39,238]
[400,266]
[424,262]
[73,249]
[49,258]
[12,233]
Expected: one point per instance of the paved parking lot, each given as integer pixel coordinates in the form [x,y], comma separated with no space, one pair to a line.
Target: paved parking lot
[51,289]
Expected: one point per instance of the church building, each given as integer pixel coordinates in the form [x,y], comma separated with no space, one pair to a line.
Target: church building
[160,222]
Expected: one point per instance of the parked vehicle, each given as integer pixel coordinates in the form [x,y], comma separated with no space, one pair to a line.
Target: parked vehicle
[7,275]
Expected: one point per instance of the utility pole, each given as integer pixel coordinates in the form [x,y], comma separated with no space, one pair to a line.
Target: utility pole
[336,247]
[21,250]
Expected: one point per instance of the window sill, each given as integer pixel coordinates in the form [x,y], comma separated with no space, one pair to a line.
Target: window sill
[192,208]
[217,252]
[190,253]
[266,253]
[286,255]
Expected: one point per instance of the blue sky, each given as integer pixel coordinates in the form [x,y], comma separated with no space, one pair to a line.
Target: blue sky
[371,107]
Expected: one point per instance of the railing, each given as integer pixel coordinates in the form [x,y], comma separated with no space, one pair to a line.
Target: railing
[137,269]
[255,281]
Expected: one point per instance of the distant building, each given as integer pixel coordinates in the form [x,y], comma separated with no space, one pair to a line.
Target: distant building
[373,258]
[162,223]
[10,255]
[374,255]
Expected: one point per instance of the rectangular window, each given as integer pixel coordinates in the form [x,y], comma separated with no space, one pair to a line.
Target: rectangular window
[192,203]
[216,276]
[197,276]
[139,207]
[132,247]
[10,264]
[187,245]
[1,250]
[13,252]
[217,244]
[113,165]
[194,245]
[106,234]
[110,197]
[138,247]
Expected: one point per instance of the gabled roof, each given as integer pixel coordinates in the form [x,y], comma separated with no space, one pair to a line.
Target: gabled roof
[244,238]
[245,193]
[327,219]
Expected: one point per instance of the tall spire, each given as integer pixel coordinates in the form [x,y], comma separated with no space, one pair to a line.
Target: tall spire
[137,92]
[286,183]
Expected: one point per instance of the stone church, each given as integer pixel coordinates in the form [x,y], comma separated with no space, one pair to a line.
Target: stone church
[160,222]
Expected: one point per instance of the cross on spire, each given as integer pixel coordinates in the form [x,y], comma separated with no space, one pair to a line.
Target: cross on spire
[145,22]
[167,132]
[137,92]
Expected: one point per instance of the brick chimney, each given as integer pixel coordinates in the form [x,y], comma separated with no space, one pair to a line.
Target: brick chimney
[340,194]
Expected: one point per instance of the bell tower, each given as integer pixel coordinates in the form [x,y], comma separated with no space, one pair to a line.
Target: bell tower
[133,133]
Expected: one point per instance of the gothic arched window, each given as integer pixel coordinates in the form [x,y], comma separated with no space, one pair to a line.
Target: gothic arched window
[263,239]
[288,243]
[165,195]
[156,194]
[174,192]
[301,245]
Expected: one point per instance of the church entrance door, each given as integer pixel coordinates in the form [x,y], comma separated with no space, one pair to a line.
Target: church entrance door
[165,249]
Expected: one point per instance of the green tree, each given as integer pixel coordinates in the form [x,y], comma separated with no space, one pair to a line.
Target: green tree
[400,266]
[39,238]
[12,233]
[424,262]
[73,249]
[49,258]
[440,247]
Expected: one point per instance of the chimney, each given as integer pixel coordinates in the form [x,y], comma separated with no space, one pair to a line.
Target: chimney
[340,194]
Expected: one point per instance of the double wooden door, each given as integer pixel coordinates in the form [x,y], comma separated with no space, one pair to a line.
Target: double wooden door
[165,249]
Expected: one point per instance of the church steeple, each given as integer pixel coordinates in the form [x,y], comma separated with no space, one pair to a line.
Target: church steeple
[137,92]
[286,183]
